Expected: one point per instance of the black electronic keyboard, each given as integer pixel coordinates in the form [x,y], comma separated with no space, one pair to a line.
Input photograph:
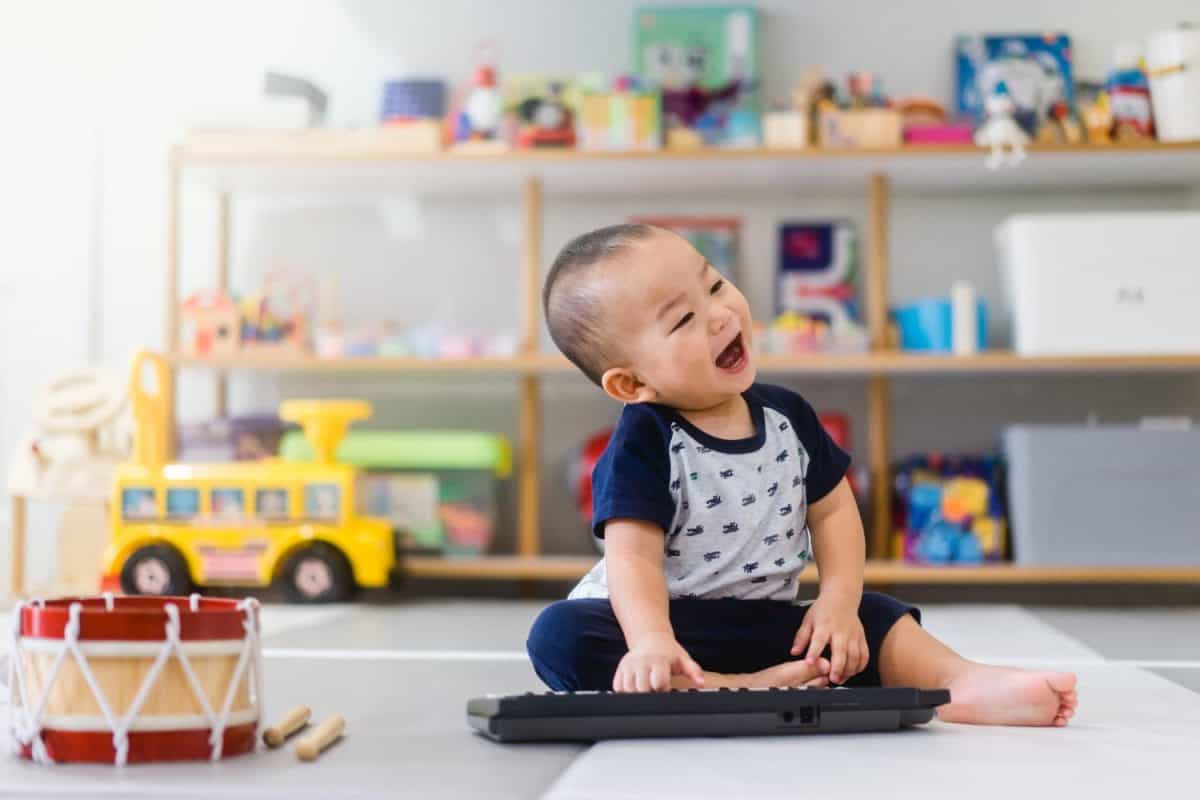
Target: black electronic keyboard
[590,716]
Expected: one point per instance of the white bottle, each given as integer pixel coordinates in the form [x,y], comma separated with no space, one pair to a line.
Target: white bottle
[964,327]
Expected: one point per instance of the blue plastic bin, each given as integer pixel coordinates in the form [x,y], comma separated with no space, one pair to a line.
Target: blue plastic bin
[927,326]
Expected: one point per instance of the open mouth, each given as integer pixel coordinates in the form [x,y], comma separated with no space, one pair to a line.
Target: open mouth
[733,357]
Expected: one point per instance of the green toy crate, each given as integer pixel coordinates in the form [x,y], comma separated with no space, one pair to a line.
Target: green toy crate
[437,487]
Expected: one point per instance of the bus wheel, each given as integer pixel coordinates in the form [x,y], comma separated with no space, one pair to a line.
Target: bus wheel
[157,569]
[318,573]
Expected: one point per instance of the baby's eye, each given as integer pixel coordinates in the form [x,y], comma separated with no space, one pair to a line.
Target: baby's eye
[686,319]
[716,287]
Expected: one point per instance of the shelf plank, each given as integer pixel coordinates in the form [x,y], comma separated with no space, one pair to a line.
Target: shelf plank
[569,568]
[862,364]
[370,160]
[301,363]
[376,145]
[565,568]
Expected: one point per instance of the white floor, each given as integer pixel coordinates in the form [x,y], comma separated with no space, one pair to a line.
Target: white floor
[401,674]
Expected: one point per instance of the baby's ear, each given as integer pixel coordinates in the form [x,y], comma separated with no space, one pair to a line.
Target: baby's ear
[624,386]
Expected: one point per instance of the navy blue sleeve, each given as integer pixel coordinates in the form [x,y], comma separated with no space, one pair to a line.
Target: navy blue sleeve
[631,479]
[827,463]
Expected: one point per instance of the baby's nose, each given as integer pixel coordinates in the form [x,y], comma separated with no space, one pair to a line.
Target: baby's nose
[719,319]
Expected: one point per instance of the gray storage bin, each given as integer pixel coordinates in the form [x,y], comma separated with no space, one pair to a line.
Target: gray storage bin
[1103,495]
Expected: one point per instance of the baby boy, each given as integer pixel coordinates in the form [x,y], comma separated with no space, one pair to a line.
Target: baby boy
[712,494]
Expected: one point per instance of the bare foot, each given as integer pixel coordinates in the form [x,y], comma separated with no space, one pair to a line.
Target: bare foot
[987,695]
[790,675]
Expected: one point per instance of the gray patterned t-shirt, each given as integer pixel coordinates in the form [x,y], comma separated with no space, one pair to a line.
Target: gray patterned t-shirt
[733,512]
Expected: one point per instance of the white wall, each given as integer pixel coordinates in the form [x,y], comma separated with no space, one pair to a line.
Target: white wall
[94,93]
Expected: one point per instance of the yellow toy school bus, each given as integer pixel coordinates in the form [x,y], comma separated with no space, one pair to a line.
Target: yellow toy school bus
[175,526]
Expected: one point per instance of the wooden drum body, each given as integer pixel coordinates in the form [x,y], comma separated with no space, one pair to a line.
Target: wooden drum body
[133,679]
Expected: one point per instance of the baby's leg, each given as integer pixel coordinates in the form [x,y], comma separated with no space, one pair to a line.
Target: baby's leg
[576,645]
[979,693]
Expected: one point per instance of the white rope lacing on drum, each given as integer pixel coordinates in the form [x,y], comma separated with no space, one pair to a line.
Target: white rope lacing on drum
[25,718]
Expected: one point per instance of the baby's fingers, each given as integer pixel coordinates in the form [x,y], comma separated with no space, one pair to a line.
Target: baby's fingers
[820,640]
[660,678]
[837,663]
[691,669]
[802,637]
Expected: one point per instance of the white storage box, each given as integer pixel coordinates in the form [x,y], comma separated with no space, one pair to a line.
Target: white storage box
[1102,283]
[1103,496]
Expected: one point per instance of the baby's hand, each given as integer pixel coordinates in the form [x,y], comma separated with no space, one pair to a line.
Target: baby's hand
[650,663]
[833,621]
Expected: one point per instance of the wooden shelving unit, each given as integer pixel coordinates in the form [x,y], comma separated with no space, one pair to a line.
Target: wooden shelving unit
[878,572]
[370,161]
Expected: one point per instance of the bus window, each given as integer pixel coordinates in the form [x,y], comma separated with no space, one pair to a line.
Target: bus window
[183,502]
[228,502]
[321,501]
[271,503]
[138,503]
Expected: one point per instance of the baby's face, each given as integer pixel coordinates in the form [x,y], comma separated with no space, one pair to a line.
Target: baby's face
[682,329]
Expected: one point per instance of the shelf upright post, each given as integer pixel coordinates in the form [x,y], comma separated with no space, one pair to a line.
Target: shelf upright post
[878,386]
[224,257]
[174,175]
[530,423]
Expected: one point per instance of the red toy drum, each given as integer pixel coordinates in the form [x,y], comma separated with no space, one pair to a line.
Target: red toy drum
[130,679]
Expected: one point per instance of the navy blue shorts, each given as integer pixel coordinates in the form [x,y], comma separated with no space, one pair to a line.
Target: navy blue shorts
[575,645]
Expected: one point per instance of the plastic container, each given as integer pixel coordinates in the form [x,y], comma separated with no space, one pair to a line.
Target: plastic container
[439,488]
[1112,495]
[1173,64]
[928,325]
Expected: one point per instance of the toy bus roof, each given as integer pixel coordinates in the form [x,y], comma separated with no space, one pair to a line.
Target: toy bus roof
[265,471]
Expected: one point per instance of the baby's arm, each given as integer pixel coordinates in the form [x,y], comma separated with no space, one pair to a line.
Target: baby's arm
[839,546]
[633,555]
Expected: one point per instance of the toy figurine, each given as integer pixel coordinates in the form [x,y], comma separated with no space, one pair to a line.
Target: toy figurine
[1000,130]
[483,109]
[546,121]
[1098,120]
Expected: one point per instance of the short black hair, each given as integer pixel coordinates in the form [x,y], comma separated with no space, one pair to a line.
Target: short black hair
[572,310]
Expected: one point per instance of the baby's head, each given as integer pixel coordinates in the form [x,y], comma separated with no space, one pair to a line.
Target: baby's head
[645,316]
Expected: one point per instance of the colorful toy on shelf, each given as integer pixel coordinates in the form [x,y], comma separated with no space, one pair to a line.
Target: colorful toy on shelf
[717,238]
[628,117]
[950,510]
[438,489]
[1060,127]
[816,259]
[413,112]
[1097,117]
[824,327]
[174,526]
[1035,69]
[215,322]
[1000,131]
[1128,92]
[815,291]
[925,123]
[705,62]
[276,318]
[476,117]
[410,99]
[546,107]
[864,118]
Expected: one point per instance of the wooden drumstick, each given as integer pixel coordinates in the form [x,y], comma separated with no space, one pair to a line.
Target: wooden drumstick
[294,721]
[324,735]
